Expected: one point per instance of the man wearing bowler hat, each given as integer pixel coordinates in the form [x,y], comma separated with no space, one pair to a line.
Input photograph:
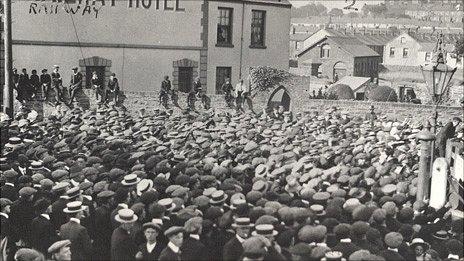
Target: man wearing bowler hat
[123,246]
[81,245]
[75,85]
[172,251]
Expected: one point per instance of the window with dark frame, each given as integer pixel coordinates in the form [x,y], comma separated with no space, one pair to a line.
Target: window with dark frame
[427,56]
[224,26]
[405,52]
[222,73]
[258,22]
[325,51]
[392,51]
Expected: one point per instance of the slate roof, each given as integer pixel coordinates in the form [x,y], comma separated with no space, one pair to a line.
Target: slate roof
[353,46]
[355,83]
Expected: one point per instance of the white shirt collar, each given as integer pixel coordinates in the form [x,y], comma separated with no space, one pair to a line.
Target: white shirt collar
[321,244]
[9,184]
[150,247]
[453,256]
[197,237]
[46,216]
[345,240]
[74,183]
[240,239]
[78,221]
[393,249]
[173,247]
[4,214]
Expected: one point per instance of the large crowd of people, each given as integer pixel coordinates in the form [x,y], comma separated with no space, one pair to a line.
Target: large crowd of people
[101,184]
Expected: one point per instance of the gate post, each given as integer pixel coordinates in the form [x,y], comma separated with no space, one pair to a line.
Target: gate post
[439,182]
[426,138]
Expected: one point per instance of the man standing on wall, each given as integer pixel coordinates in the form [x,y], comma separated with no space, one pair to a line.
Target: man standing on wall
[45,83]
[165,91]
[24,86]
[35,84]
[76,84]
[113,88]
[240,90]
[227,89]
[97,86]
[57,83]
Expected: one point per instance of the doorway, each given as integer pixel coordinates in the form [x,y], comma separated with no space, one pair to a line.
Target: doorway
[339,71]
[185,79]
[89,72]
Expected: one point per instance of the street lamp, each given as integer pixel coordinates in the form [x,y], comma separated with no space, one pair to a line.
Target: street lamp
[437,76]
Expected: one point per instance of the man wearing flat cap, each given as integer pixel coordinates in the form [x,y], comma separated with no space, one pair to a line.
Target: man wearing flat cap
[103,227]
[172,251]
[7,232]
[9,190]
[22,213]
[43,233]
[150,250]
[81,246]
[192,248]
[60,250]
[75,84]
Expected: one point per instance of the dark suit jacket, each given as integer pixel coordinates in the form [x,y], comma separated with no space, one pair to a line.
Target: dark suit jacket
[81,246]
[346,248]
[7,230]
[390,255]
[21,216]
[103,231]
[193,249]
[155,253]
[233,250]
[43,234]
[9,192]
[123,246]
[168,255]
[58,217]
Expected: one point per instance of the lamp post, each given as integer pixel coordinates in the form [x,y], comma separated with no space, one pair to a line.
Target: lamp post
[437,76]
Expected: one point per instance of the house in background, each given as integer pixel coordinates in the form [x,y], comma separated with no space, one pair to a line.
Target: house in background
[409,49]
[296,43]
[334,57]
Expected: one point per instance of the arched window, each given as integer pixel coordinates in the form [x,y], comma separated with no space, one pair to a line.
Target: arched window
[325,51]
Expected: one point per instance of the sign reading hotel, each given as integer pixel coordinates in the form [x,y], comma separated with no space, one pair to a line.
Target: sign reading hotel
[93,7]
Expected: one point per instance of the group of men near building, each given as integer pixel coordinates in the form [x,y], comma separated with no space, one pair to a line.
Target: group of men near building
[102,184]
[28,87]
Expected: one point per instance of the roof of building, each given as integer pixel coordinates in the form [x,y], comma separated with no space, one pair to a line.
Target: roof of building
[299,37]
[353,46]
[355,83]
[348,43]
[375,21]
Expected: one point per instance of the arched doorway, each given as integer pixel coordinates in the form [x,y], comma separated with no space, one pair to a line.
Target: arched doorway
[279,96]
[339,71]
[95,64]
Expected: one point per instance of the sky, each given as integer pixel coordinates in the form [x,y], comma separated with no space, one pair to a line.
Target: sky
[334,3]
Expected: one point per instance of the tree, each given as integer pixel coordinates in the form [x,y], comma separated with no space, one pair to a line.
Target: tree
[341,92]
[382,94]
[459,47]
[309,10]
[352,15]
[336,12]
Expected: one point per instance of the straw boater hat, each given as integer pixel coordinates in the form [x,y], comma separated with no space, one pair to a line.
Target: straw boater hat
[74,207]
[242,222]
[167,203]
[143,186]
[419,241]
[333,256]
[130,180]
[126,216]
[218,197]
[264,230]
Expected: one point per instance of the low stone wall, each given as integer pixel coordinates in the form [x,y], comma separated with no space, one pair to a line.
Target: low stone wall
[134,101]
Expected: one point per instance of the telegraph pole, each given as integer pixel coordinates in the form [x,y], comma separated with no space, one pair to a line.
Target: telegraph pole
[8,87]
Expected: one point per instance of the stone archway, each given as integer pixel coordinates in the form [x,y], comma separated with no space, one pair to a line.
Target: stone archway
[280,96]
[95,63]
[339,71]
[185,71]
